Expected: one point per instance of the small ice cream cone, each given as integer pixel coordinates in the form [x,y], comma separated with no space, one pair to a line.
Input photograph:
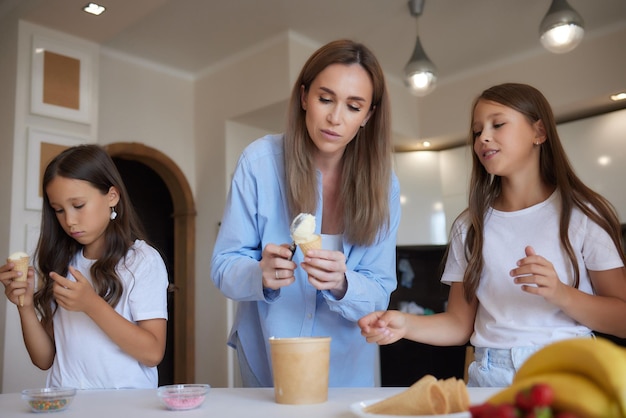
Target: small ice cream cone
[424,397]
[457,395]
[314,244]
[20,261]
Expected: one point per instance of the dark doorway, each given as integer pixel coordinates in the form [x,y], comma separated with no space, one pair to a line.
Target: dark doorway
[153,203]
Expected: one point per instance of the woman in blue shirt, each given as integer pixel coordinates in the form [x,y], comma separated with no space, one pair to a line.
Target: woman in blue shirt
[334,161]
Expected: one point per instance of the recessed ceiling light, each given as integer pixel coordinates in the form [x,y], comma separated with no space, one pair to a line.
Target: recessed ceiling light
[94,9]
[426,144]
[618,96]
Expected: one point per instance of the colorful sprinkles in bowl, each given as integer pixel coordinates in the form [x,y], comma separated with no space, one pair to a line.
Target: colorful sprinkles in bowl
[48,399]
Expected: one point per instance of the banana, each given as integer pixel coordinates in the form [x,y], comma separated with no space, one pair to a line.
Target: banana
[598,359]
[572,392]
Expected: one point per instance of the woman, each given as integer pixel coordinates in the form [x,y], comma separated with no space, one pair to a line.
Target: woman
[333,161]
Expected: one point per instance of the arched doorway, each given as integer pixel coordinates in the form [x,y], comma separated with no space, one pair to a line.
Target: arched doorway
[184,215]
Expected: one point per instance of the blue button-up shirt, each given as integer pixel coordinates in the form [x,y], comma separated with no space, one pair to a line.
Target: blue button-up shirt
[255,215]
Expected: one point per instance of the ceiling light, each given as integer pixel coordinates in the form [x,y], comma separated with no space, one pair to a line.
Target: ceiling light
[619,96]
[420,72]
[94,9]
[426,144]
[561,29]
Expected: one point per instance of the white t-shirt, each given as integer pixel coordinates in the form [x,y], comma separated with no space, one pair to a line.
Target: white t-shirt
[86,358]
[507,316]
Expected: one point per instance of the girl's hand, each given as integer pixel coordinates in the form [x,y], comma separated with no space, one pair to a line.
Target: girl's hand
[327,271]
[76,296]
[277,268]
[383,327]
[538,277]
[13,289]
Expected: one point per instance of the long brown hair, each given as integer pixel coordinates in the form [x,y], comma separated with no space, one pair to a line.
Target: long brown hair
[56,248]
[555,169]
[367,165]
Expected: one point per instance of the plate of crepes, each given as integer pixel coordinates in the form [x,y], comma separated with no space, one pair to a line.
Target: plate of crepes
[429,397]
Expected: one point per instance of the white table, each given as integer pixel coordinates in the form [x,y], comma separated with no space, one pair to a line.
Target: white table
[220,402]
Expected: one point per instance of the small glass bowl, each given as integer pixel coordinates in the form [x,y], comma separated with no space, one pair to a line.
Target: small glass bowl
[181,397]
[49,399]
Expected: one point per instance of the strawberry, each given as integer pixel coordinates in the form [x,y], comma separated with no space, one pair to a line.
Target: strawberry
[538,395]
[481,410]
[504,411]
[523,400]
[541,394]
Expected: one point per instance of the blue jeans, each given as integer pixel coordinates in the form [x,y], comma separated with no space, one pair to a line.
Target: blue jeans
[495,367]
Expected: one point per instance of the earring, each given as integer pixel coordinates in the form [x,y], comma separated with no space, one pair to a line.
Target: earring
[113,213]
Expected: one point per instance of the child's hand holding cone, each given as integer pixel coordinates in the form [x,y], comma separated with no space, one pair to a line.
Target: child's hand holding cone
[20,261]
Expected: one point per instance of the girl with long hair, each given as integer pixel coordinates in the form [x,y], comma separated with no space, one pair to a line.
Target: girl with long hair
[536,257]
[98,317]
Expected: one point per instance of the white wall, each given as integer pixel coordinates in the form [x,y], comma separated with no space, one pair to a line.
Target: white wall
[423,218]
[597,149]
[149,106]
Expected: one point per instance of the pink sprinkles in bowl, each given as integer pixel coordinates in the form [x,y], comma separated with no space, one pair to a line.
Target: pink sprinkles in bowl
[181,397]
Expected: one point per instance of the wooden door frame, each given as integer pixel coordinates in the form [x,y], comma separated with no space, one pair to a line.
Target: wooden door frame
[184,250]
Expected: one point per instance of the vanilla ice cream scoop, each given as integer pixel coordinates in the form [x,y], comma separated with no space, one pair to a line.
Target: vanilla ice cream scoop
[303,232]
[303,228]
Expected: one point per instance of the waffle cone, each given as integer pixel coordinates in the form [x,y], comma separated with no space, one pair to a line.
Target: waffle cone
[457,395]
[21,264]
[424,397]
[314,244]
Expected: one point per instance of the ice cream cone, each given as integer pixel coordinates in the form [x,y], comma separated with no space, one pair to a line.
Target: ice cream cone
[456,393]
[20,260]
[314,244]
[424,397]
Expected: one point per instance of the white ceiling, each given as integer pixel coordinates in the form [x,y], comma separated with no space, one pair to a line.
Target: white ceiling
[190,36]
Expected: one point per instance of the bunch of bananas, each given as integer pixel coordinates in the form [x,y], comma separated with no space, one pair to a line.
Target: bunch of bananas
[588,377]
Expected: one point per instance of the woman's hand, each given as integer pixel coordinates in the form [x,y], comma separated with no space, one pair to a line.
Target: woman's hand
[78,296]
[278,269]
[327,271]
[383,327]
[538,277]
[13,289]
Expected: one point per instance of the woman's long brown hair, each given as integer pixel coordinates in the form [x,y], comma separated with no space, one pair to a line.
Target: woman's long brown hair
[555,169]
[367,165]
[56,248]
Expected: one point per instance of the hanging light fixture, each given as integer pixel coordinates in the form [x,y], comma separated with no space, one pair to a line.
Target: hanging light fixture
[420,72]
[561,29]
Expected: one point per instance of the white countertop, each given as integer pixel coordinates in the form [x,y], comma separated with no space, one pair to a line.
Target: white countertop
[220,402]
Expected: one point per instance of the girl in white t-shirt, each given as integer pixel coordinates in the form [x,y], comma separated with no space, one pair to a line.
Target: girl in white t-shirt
[98,316]
[535,258]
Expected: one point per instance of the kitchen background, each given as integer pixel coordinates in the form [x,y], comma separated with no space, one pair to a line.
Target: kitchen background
[196,123]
